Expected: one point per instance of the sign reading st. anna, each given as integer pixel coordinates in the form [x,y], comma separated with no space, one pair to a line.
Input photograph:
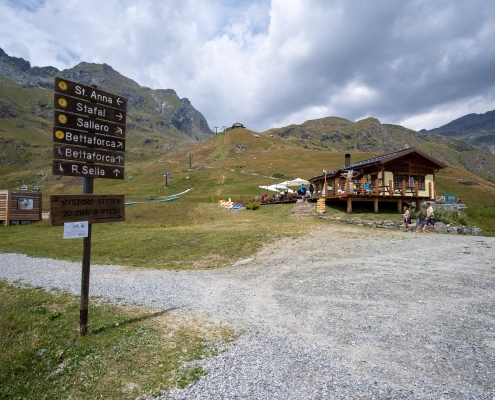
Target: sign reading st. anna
[94,208]
[89,133]
[89,93]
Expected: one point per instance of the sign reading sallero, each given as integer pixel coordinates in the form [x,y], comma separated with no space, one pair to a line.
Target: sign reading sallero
[89,133]
[94,208]
[83,123]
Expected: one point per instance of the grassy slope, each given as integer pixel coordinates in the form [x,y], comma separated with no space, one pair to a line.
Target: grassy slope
[193,232]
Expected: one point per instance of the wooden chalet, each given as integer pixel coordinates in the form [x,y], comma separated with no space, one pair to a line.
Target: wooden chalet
[237,125]
[404,176]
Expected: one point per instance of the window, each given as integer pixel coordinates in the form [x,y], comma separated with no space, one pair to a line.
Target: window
[420,180]
[398,180]
[410,181]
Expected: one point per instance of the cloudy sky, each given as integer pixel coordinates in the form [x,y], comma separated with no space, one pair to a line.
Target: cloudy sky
[268,64]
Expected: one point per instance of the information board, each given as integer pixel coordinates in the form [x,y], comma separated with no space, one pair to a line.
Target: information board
[94,208]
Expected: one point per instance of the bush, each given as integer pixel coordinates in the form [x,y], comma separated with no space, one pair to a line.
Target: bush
[450,217]
[252,206]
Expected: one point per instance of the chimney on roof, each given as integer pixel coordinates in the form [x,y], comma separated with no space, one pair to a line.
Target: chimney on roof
[347,160]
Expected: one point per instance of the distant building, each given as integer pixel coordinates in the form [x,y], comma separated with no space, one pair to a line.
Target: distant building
[238,125]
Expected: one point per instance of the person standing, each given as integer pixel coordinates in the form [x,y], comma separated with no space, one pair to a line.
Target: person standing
[430,218]
[407,218]
[311,189]
[302,191]
[420,226]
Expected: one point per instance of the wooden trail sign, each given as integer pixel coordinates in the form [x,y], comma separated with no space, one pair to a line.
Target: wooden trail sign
[87,108]
[89,93]
[88,140]
[94,208]
[76,153]
[72,168]
[73,121]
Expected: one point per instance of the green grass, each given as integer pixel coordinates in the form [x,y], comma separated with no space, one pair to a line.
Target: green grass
[126,353]
[178,235]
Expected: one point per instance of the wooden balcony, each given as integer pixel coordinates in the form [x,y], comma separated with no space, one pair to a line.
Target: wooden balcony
[360,190]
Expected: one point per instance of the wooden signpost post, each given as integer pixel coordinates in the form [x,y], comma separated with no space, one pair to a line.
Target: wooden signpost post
[88,141]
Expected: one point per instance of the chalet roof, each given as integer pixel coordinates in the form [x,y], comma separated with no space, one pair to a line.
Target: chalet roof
[384,159]
[237,125]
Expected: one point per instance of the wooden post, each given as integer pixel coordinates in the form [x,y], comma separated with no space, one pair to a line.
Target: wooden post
[430,191]
[399,205]
[86,266]
[403,189]
[390,188]
[416,189]
[7,218]
[375,204]
[376,187]
[349,205]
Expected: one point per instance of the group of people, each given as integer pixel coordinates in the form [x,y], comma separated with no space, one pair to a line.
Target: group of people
[423,221]
[303,190]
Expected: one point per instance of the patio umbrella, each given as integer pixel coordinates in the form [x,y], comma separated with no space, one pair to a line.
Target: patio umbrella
[295,182]
[270,188]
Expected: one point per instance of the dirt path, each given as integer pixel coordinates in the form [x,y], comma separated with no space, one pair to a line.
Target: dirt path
[346,310]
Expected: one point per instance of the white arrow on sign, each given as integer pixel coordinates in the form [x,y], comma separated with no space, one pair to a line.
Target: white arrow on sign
[119,130]
[120,158]
[116,172]
[120,144]
[119,102]
[119,116]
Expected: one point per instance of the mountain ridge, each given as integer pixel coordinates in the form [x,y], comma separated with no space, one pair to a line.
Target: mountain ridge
[169,112]
[475,129]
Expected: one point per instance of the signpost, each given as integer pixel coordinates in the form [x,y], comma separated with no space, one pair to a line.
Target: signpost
[94,208]
[88,141]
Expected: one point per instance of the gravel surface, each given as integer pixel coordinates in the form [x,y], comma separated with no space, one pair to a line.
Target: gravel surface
[343,313]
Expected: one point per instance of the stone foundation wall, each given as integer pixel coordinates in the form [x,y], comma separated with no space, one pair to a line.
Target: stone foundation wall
[441,227]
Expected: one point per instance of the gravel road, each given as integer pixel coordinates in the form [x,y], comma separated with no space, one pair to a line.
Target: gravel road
[343,313]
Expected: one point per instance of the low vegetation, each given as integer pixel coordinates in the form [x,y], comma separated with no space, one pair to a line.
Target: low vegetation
[126,353]
[179,235]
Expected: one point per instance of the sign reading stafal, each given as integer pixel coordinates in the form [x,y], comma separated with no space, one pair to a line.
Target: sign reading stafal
[83,107]
[93,208]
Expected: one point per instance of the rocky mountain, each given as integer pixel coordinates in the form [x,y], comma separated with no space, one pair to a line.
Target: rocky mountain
[475,129]
[370,135]
[155,117]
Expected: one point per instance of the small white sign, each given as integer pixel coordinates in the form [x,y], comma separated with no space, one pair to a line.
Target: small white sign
[76,230]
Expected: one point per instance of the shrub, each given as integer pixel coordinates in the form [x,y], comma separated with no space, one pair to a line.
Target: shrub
[252,206]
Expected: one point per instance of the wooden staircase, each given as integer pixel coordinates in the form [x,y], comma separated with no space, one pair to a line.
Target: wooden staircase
[302,209]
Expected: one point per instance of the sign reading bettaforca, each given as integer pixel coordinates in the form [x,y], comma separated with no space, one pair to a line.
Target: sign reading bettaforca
[94,208]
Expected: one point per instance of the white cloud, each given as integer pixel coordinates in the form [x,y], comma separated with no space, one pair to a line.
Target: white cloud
[286,61]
